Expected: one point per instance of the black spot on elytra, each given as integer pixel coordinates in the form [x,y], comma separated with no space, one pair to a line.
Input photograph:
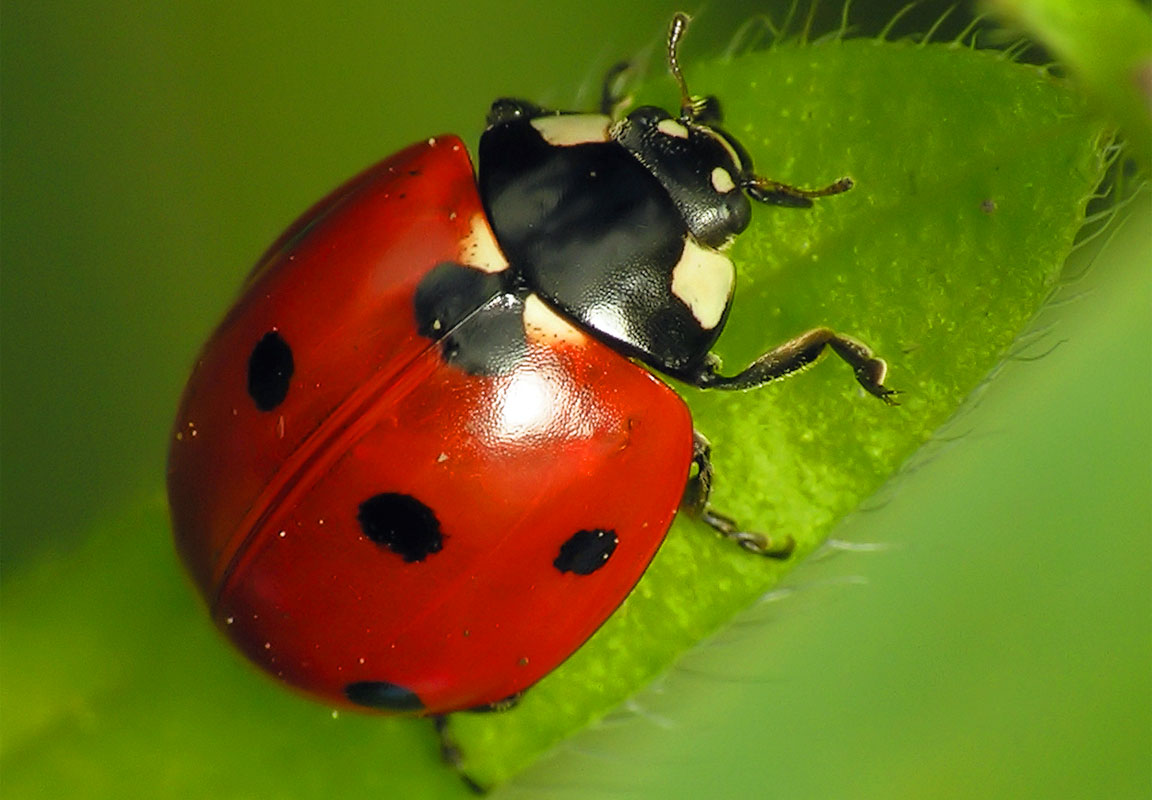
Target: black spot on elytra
[401,523]
[383,695]
[449,294]
[476,316]
[586,551]
[270,370]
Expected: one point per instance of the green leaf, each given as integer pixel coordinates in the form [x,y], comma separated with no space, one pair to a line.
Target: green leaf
[972,175]
[1107,46]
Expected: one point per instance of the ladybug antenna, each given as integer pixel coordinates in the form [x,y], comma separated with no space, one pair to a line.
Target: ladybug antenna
[705,110]
[773,193]
[675,34]
[692,109]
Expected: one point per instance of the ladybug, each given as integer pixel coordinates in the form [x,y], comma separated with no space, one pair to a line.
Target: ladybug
[426,454]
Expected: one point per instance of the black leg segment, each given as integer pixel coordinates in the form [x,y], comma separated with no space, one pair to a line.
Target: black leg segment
[695,504]
[797,354]
[507,704]
[450,753]
[612,100]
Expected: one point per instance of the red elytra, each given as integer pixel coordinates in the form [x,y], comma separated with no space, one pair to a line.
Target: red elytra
[265,503]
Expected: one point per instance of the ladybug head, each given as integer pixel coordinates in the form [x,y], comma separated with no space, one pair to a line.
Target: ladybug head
[621,225]
[702,168]
[705,169]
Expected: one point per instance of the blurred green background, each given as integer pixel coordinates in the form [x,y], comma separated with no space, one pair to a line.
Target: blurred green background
[151,150]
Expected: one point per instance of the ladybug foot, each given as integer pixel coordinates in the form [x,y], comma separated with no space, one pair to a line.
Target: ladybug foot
[451,755]
[886,394]
[758,543]
[868,369]
[695,504]
[500,706]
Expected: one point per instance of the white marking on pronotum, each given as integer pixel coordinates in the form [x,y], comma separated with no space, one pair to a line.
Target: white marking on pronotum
[563,130]
[479,249]
[542,324]
[672,127]
[703,279]
[722,180]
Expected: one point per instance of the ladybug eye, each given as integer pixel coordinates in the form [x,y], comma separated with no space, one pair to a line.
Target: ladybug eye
[270,370]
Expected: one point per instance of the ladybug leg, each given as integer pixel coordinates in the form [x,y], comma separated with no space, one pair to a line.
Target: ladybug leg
[695,504]
[450,753]
[450,750]
[612,99]
[797,354]
[507,704]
